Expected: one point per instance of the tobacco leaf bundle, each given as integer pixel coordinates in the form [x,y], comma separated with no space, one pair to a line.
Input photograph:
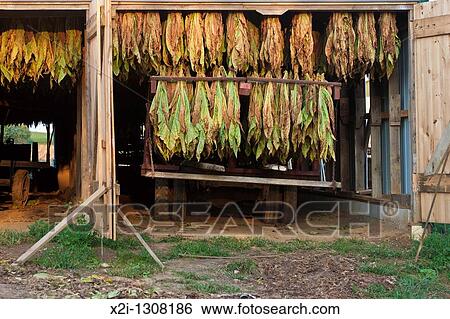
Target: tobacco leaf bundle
[340,45]
[325,121]
[214,38]
[318,59]
[272,45]
[271,129]
[195,47]
[233,119]
[388,44]
[130,39]
[202,120]
[174,39]
[310,138]
[151,42]
[255,137]
[238,45]
[28,55]
[296,106]
[302,44]
[159,114]
[255,44]
[219,113]
[183,134]
[366,42]
[284,119]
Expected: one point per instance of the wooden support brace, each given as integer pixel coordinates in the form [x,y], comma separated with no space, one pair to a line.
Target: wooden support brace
[141,240]
[61,225]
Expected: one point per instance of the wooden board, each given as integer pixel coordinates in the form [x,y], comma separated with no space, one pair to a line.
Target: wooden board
[432,100]
[44,5]
[264,7]
[241,179]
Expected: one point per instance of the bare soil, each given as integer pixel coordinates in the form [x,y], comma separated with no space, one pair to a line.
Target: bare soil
[303,274]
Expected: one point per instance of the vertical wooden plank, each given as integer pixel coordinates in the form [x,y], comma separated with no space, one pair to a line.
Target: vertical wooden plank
[394,131]
[344,136]
[360,153]
[375,130]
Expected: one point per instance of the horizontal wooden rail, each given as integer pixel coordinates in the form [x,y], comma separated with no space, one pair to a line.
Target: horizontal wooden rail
[240,79]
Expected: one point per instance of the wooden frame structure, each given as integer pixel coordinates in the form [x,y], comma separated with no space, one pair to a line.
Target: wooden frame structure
[428,22]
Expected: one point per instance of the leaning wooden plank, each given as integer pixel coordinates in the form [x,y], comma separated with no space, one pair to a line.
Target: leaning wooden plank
[61,225]
[438,155]
[241,179]
[139,237]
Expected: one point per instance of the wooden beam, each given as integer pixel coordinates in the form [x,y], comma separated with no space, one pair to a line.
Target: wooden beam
[241,179]
[61,225]
[432,26]
[343,140]
[438,156]
[394,131]
[375,133]
[360,154]
[264,7]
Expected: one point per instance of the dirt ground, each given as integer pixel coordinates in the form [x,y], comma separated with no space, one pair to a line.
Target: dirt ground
[305,274]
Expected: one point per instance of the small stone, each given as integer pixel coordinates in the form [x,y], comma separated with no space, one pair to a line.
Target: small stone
[105,265]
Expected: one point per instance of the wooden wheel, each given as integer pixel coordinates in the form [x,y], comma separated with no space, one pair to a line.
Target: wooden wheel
[20,187]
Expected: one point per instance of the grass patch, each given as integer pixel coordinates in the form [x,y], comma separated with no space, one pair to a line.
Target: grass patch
[189,275]
[38,137]
[204,283]
[379,269]
[13,237]
[364,248]
[68,257]
[426,279]
[241,269]
[211,287]
[216,246]
[133,264]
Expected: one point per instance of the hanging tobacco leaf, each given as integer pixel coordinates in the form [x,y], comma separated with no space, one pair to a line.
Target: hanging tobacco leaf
[159,114]
[255,45]
[214,38]
[388,44]
[366,42]
[255,137]
[202,120]
[238,45]
[232,120]
[219,113]
[340,45]
[272,45]
[151,43]
[174,38]
[302,44]
[195,47]
[284,119]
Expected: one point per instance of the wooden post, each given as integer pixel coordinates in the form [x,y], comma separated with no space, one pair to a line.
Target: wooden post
[394,131]
[344,136]
[375,131]
[360,153]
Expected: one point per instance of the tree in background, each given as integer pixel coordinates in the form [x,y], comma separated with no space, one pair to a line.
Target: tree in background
[19,133]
